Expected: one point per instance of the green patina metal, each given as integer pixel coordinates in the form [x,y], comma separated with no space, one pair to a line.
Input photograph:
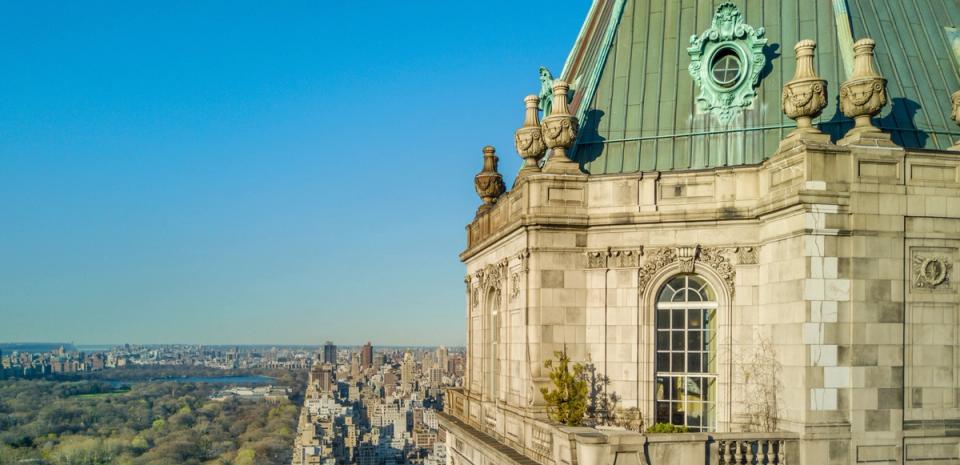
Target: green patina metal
[639,111]
[546,91]
[844,34]
[953,37]
[725,63]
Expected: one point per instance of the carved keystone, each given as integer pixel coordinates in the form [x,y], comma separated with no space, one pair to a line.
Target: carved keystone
[864,94]
[529,139]
[804,96]
[489,182]
[559,132]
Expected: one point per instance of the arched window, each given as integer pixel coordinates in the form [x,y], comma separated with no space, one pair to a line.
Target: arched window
[495,344]
[686,353]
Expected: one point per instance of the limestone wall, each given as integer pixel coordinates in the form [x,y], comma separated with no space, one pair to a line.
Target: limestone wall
[834,268]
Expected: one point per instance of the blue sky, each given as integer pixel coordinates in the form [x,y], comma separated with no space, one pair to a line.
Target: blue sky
[254,172]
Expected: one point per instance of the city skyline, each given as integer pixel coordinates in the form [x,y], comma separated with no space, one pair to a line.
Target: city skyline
[173,179]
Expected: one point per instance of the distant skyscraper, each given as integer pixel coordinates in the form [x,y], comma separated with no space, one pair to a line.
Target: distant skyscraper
[442,357]
[406,372]
[330,353]
[366,356]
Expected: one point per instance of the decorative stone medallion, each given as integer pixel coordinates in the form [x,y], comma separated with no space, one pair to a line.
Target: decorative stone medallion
[931,272]
[725,63]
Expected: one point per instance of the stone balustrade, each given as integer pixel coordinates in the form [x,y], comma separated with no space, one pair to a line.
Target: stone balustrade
[548,443]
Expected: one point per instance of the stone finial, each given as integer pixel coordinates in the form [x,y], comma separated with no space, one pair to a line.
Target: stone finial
[488,182]
[955,114]
[865,93]
[559,132]
[804,96]
[529,138]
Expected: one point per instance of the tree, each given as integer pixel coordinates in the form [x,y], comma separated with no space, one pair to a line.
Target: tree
[567,401]
[761,377]
[601,403]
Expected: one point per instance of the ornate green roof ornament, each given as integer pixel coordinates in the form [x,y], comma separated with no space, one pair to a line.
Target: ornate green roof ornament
[546,91]
[725,62]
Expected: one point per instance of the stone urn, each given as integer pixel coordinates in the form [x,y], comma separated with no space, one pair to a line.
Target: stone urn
[559,132]
[804,96]
[488,182]
[529,138]
[865,93]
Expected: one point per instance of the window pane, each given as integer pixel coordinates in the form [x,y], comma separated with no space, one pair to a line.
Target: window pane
[663,361]
[693,296]
[709,389]
[678,282]
[662,388]
[663,319]
[676,413]
[693,362]
[666,294]
[677,340]
[663,412]
[709,413]
[677,365]
[694,317]
[709,362]
[693,340]
[663,340]
[676,319]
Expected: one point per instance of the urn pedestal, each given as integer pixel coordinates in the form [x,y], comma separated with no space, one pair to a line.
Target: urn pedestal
[559,132]
[863,96]
[488,182]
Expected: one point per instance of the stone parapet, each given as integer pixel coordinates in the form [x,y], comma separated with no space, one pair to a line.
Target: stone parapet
[555,444]
[802,172]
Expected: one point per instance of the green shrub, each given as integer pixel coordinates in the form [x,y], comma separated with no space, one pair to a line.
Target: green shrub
[668,428]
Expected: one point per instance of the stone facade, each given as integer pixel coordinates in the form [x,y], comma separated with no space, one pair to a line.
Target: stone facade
[830,289]
[840,258]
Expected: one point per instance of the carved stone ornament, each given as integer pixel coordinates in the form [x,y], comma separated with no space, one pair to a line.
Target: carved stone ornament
[559,132]
[955,114]
[931,272]
[687,258]
[523,257]
[597,259]
[804,96]
[489,182]
[725,63]
[529,139]
[746,255]
[865,93]
[514,286]
[626,258]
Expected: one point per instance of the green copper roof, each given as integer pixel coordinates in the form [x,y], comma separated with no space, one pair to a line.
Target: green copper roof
[637,99]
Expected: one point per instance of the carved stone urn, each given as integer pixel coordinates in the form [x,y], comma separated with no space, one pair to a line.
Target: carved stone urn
[804,96]
[865,93]
[488,182]
[559,132]
[529,138]
[955,114]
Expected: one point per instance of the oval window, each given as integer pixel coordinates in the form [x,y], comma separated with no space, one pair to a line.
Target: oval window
[726,67]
